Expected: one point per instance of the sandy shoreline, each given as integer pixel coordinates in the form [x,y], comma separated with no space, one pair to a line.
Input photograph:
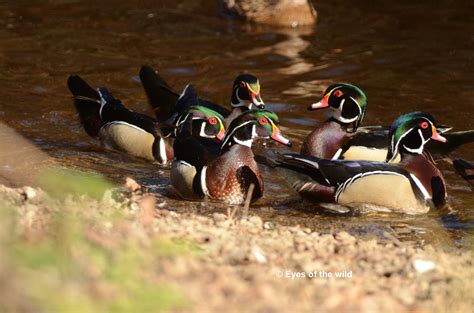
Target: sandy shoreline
[216,263]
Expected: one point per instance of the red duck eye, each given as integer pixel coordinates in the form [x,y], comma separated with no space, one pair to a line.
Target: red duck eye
[263,121]
[338,93]
[424,125]
[242,85]
[212,120]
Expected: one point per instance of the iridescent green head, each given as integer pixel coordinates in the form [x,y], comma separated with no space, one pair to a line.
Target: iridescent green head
[254,124]
[205,122]
[246,93]
[410,132]
[348,103]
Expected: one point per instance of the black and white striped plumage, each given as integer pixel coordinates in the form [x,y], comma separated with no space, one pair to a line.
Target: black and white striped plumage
[413,186]
[106,117]
[223,172]
[245,96]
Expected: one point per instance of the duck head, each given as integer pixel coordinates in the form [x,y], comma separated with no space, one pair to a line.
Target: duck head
[246,93]
[203,122]
[251,125]
[410,132]
[347,102]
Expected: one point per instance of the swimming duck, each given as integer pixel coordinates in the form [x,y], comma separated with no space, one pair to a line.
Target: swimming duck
[245,95]
[341,136]
[412,186]
[223,172]
[139,135]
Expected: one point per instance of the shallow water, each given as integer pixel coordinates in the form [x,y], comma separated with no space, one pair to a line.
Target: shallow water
[406,56]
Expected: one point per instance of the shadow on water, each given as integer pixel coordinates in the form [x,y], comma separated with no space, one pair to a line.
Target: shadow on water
[407,56]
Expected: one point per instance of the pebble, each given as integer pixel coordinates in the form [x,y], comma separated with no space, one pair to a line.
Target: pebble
[132,185]
[29,193]
[423,266]
[268,225]
[258,255]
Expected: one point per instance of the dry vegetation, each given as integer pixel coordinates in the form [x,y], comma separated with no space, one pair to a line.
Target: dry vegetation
[84,247]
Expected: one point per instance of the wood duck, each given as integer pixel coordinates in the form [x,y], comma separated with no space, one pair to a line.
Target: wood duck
[223,172]
[412,186]
[137,134]
[341,136]
[245,95]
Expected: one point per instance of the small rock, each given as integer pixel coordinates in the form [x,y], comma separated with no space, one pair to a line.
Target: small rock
[29,193]
[423,266]
[134,207]
[162,204]
[268,226]
[132,185]
[258,255]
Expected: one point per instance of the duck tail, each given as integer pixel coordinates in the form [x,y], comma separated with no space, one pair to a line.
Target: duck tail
[87,104]
[463,167]
[160,96]
[301,174]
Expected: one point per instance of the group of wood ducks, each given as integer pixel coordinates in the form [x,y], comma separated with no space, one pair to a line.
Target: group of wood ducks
[210,147]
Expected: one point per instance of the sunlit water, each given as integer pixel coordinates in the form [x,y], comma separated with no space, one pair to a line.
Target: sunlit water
[406,57]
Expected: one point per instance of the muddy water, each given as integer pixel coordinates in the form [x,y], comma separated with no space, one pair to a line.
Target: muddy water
[406,56]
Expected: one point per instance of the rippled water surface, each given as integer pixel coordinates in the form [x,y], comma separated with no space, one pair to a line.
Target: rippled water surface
[407,56]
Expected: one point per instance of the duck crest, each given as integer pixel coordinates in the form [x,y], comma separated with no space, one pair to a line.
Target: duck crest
[410,132]
[347,104]
[251,124]
[201,121]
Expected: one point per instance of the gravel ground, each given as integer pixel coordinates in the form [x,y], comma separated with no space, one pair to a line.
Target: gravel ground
[222,263]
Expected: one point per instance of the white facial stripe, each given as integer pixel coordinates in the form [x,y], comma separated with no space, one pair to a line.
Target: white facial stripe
[336,114]
[254,131]
[247,143]
[241,103]
[226,139]
[342,187]
[205,191]
[341,106]
[358,105]
[330,91]
[202,133]
[418,150]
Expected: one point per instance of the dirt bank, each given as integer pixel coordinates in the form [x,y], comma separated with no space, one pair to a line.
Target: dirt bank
[164,260]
